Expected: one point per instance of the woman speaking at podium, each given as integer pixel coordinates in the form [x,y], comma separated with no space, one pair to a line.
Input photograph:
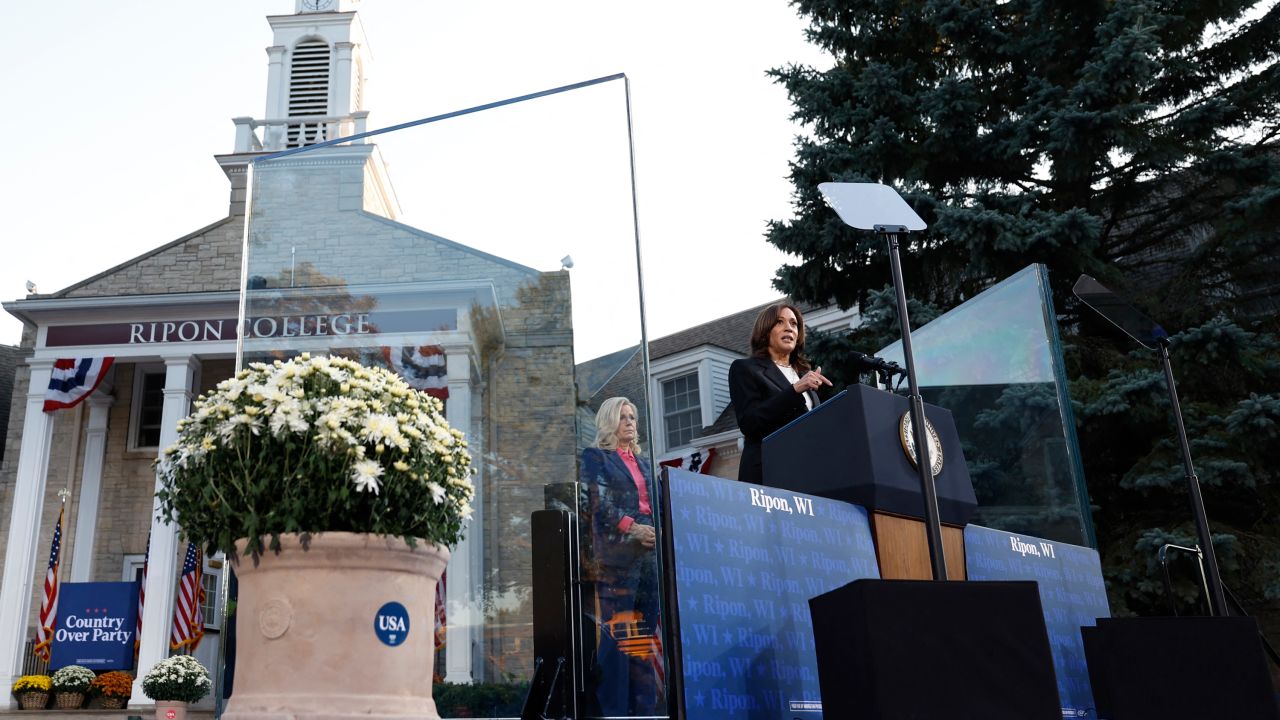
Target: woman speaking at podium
[774,386]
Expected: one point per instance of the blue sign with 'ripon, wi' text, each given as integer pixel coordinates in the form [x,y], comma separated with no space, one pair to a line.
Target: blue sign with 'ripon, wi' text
[96,625]
[1072,593]
[747,560]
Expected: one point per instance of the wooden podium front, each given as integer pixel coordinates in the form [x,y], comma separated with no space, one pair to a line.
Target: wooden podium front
[902,549]
[848,448]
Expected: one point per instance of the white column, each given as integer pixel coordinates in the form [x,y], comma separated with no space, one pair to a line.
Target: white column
[461,598]
[95,447]
[277,104]
[162,565]
[340,88]
[22,549]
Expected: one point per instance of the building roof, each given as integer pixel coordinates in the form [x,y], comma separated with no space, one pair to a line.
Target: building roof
[731,332]
[594,374]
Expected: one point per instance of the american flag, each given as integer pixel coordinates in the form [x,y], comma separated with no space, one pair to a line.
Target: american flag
[72,381]
[188,608]
[49,604]
[142,596]
[658,660]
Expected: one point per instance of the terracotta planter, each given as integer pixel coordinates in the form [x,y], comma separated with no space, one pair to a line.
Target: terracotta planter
[171,710]
[68,700]
[33,700]
[310,642]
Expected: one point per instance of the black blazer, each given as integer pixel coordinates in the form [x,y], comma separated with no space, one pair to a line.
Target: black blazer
[763,401]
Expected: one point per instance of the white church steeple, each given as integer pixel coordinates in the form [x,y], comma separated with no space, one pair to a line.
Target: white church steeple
[317,70]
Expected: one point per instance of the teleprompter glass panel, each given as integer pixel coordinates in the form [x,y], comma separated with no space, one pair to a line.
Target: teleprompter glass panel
[491,260]
[996,363]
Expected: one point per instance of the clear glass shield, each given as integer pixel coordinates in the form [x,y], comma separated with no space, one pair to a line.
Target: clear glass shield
[996,363]
[490,258]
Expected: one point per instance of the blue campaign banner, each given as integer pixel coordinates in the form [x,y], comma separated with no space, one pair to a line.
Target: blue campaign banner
[96,626]
[1071,590]
[747,559]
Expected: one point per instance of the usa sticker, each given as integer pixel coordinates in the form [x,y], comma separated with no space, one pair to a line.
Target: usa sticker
[392,624]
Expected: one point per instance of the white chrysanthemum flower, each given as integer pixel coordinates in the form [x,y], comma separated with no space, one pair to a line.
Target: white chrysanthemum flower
[383,429]
[365,473]
[437,492]
[380,427]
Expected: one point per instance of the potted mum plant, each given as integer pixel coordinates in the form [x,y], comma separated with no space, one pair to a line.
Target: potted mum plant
[112,689]
[70,684]
[174,683]
[335,489]
[32,691]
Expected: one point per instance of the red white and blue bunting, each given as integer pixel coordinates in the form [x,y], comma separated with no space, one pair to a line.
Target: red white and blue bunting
[424,367]
[72,381]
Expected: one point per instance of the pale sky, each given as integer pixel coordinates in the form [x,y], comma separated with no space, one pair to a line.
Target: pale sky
[115,109]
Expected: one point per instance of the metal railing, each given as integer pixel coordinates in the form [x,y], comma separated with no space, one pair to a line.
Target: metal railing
[32,664]
[300,131]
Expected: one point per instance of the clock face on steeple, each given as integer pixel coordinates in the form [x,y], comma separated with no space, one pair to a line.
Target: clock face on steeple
[316,5]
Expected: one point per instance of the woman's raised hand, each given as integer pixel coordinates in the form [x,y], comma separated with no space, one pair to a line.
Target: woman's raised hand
[811,380]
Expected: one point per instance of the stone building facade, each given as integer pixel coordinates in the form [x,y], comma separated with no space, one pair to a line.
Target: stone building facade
[323,240]
[11,357]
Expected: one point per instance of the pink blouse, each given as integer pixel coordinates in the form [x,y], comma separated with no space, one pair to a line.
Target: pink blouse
[629,459]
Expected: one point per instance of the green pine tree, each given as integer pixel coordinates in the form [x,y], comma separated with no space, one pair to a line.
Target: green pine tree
[1133,140]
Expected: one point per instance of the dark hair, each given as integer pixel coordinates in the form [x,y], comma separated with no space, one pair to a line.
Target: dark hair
[765,321]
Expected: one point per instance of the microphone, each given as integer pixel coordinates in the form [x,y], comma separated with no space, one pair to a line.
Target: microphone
[870,363]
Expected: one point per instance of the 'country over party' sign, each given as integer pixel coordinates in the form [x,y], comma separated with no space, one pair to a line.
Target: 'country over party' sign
[96,626]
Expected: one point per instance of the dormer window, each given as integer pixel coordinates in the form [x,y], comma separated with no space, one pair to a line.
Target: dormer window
[690,389]
[308,90]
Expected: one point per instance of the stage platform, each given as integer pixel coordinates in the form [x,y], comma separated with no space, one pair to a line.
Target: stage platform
[99,714]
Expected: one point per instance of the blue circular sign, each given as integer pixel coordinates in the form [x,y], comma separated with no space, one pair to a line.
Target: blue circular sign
[392,624]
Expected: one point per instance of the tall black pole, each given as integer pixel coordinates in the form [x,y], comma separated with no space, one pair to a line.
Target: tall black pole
[1217,598]
[932,523]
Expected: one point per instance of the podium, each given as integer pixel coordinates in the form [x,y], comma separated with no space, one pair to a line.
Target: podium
[849,448]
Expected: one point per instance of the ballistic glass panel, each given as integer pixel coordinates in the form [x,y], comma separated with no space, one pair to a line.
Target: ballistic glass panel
[490,258]
[996,363]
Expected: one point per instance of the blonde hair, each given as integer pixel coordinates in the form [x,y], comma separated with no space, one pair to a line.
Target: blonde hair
[607,421]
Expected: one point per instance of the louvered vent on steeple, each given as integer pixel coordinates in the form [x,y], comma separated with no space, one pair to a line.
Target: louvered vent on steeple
[308,90]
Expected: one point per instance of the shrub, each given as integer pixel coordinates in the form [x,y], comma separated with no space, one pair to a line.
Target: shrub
[73,679]
[180,678]
[114,684]
[32,683]
[314,445]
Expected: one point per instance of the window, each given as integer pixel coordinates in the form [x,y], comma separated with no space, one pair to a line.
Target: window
[211,579]
[133,567]
[689,390]
[148,408]
[681,409]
